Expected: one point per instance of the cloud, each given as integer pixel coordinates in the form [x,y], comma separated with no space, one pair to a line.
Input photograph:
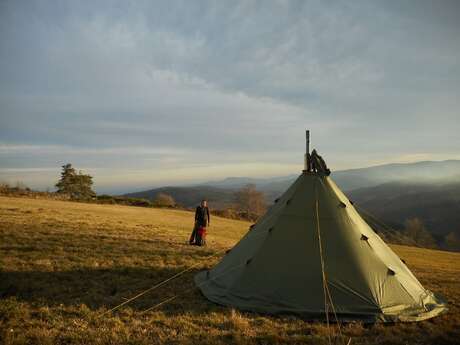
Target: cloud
[165,85]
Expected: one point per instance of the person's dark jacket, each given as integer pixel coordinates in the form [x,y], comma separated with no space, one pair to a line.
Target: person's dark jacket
[202,217]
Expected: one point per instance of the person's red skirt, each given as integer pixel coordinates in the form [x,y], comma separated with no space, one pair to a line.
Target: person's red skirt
[201,236]
[202,232]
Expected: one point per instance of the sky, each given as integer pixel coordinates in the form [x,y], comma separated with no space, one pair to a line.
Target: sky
[149,93]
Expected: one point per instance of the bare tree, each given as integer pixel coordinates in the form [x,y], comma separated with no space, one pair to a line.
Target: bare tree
[415,229]
[164,200]
[250,202]
[452,241]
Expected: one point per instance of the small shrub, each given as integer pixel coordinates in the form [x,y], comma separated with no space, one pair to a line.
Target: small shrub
[4,187]
[121,200]
[229,213]
[105,199]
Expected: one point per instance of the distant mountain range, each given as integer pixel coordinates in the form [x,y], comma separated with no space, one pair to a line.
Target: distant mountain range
[393,192]
[427,171]
[351,179]
[436,204]
[273,183]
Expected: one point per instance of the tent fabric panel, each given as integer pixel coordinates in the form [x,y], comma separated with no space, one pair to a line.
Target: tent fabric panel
[275,268]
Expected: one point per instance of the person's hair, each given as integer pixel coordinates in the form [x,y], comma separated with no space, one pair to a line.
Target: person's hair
[204,200]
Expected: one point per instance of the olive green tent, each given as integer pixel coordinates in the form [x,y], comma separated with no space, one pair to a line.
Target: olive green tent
[313,244]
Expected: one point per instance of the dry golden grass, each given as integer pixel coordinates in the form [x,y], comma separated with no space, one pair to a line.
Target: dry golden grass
[62,264]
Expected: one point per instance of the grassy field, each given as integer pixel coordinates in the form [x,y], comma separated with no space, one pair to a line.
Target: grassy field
[63,264]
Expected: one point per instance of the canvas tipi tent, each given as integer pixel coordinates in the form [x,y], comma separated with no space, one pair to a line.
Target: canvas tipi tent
[313,244]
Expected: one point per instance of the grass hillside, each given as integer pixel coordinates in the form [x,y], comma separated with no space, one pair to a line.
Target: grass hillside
[63,264]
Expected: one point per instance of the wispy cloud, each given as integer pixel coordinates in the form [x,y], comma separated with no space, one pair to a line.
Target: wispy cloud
[163,85]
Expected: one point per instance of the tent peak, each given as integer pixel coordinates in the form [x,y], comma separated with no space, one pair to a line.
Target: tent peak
[314,163]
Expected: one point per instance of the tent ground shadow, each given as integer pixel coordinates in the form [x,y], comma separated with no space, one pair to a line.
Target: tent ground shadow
[105,288]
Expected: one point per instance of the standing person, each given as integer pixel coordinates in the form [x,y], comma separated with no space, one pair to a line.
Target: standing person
[202,221]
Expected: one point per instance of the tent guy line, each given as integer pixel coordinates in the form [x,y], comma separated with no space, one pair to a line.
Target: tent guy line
[156,286]
[177,275]
[327,294]
[189,291]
